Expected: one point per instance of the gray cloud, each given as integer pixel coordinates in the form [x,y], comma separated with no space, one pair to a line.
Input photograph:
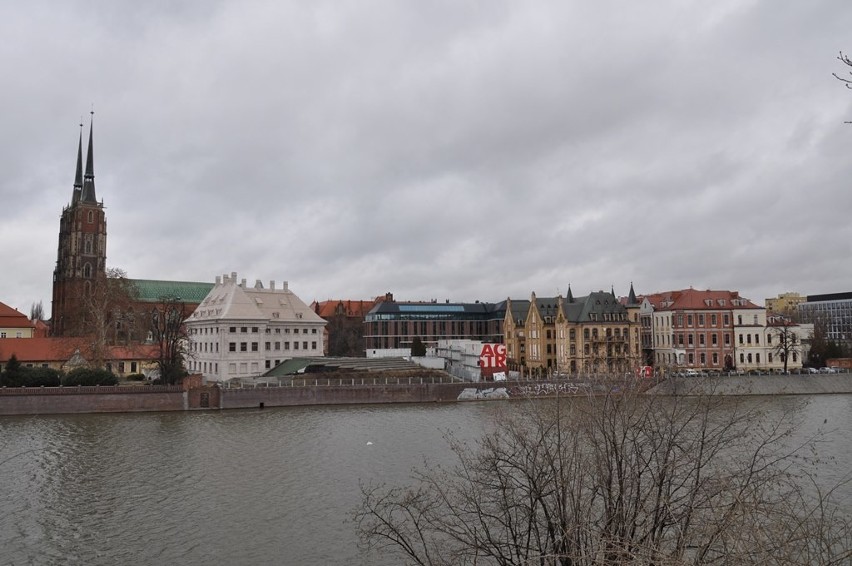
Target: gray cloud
[436,150]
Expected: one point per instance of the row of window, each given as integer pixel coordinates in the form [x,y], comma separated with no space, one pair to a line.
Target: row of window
[244,346]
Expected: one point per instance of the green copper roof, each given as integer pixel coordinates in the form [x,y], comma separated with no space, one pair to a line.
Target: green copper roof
[152,291]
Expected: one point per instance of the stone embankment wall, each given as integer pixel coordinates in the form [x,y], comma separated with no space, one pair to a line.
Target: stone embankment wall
[109,399]
[339,395]
[757,385]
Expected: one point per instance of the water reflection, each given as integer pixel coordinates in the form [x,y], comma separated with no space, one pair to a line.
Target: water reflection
[262,487]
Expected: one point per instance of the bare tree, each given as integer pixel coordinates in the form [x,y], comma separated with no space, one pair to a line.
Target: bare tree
[169,333]
[623,478]
[37,312]
[787,341]
[848,82]
[110,295]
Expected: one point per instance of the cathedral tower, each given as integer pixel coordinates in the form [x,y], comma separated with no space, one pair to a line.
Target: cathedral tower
[81,256]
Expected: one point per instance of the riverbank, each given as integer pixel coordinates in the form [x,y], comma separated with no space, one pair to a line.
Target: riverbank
[815,384]
[118,399]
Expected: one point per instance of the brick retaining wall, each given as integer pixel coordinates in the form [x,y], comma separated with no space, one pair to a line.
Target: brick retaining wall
[106,399]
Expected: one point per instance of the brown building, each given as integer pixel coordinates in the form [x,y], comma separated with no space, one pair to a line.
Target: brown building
[344,333]
[81,255]
[597,333]
[80,276]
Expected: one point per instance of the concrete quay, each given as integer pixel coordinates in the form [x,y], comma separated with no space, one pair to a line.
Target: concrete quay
[814,384]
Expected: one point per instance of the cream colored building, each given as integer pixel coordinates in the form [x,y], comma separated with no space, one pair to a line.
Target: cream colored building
[241,332]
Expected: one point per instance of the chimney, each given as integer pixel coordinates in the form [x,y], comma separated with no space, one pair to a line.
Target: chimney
[218,280]
[272,284]
[243,283]
[234,276]
[258,284]
[283,285]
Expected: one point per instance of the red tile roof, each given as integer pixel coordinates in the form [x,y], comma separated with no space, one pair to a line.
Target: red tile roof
[694,299]
[11,318]
[29,350]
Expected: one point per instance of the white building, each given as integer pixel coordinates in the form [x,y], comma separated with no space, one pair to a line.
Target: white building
[239,331]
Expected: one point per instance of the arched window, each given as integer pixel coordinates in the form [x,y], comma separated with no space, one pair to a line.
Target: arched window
[87,271]
[91,216]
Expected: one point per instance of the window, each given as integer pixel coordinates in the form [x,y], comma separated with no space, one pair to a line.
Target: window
[689,339]
[714,339]
[313,330]
[713,320]
[268,346]
[286,345]
[725,320]
[133,367]
[727,339]
[689,320]
[232,329]
[120,364]
[295,345]
[740,336]
[314,345]
[87,270]
[254,346]
[91,218]
[757,358]
[769,340]
[748,339]
[243,329]
[254,329]
[267,364]
[757,339]
[243,346]
[304,345]
[769,357]
[700,320]
[701,341]
[232,346]
[278,345]
[739,320]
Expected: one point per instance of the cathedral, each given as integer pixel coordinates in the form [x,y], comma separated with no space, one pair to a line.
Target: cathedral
[81,266]
[82,246]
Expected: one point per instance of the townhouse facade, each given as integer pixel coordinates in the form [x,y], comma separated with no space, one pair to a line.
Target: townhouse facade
[597,333]
[239,331]
[719,330]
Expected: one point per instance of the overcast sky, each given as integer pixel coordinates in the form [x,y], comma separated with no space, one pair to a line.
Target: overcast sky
[438,150]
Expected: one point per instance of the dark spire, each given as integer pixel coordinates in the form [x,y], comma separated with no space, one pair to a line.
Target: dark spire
[631,297]
[78,178]
[570,296]
[89,178]
[612,290]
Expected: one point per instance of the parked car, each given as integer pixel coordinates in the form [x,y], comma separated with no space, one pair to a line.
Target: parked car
[811,370]
[824,370]
[690,373]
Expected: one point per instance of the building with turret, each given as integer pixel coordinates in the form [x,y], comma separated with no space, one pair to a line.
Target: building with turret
[597,333]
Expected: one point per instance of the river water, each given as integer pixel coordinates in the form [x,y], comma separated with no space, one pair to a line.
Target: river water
[273,486]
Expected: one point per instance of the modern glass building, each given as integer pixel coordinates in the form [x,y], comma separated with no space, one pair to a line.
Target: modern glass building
[391,324]
[833,309]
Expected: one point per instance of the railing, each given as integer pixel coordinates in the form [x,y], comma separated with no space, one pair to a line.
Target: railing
[89,390]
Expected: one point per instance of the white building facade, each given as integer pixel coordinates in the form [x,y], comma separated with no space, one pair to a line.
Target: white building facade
[241,332]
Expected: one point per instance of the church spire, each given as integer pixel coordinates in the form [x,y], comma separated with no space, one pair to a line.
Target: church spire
[570,297]
[78,178]
[631,298]
[89,178]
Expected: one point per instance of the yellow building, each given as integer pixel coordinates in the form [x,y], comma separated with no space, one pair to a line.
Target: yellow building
[785,303]
[597,333]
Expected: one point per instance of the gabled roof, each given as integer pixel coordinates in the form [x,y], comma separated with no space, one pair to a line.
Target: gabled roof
[694,299]
[11,318]
[152,291]
[229,300]
[31,350]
